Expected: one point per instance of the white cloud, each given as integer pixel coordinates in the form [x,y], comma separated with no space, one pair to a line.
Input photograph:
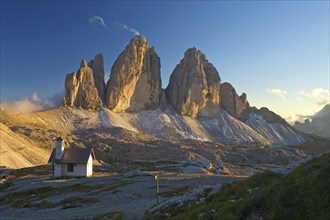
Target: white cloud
[125,27]
[98,20]
[35,97]
[291,119]
[306,114]
[278,92]
[22,105]
[33,104]
[322,96]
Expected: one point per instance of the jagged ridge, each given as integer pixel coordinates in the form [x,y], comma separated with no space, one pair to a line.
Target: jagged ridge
[194,90]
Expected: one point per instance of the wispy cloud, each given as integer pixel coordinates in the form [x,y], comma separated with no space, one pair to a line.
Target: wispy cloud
[35,97]
[322,96]
[127,28]
[33,103]
[98,20]
[278,92]
[306,114]
[291,119]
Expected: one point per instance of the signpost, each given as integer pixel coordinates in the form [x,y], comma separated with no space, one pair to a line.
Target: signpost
[157,187]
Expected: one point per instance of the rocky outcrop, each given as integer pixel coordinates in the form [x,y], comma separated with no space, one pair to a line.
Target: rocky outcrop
[268,115]
[194,86]
[239,107]
[135,82]
[82,89]
[231,102]
[97,65]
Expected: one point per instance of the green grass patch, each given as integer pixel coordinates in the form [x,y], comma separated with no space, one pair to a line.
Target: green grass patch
[45,205]
[160,186]
[6,185]
[175,192]
[74,202]
[37,170]
[110,215]
[116,191]
[26,198]
[205,193]
[115,185]
[153,166]
[302,194]
[102,174]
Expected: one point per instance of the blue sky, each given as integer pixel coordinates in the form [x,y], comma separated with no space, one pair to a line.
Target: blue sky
[277,52]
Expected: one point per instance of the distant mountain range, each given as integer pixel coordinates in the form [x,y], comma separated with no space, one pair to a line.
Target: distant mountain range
[318,125]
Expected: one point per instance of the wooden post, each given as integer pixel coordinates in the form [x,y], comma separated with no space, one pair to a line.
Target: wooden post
[157,187]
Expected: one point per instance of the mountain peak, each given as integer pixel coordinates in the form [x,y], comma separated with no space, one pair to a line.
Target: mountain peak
[134,82]
[193,53]
[194,87]
[139,39]
[85,89]
[83,63]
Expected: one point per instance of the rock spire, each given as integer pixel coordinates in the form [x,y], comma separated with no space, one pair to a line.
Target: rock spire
[135,82]
[194,86]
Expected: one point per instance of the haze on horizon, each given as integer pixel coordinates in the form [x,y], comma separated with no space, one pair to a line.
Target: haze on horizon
[275,52]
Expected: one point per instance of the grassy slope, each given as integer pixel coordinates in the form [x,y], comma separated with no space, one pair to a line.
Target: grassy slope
[302,194]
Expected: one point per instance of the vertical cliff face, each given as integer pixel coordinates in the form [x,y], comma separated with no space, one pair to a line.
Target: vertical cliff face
[84,88]
[194,86]
[135,82]
[97,65]
[231,102]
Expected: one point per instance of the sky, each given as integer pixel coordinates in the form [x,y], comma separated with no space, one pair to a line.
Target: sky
[276,52]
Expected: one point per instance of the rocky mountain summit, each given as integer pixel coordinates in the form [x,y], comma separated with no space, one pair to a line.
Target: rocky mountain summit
[85,88]
[194,86]
[194,105]
[135,82]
